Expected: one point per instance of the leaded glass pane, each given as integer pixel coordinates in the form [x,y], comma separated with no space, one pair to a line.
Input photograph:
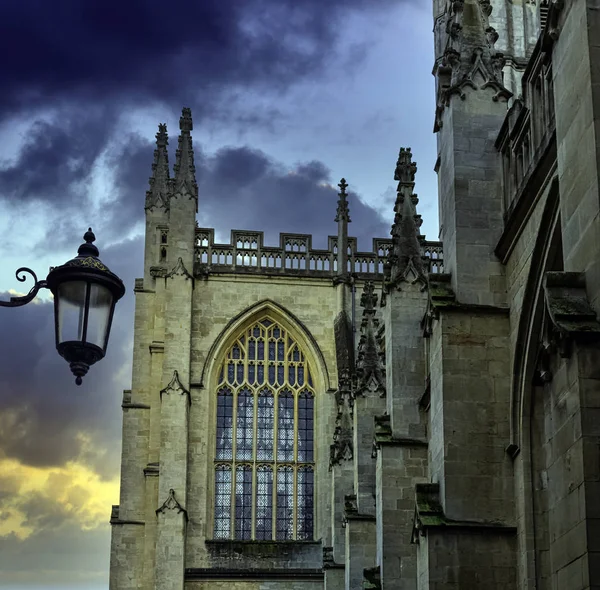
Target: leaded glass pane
[264,503]
[285,503]
[264,480]
[222,502]
[305,503]
[243,502]
[305,427]
[265,426]
[225,424]
[285,426]
[245,423]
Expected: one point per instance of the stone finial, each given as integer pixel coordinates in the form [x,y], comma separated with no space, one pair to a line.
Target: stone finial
[405,167]
[342,448]
[368,298]
[159,193]
[185,171]
[370,370]
[343,213]
[185,121]
[405,262]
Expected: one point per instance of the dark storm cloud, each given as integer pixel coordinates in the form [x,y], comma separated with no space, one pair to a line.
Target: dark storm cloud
[157,51]
[55,155]
[42,412]
[240,186]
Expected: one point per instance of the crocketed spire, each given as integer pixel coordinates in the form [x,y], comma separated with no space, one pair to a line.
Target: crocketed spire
[185,171]
[160,183]
[343,213]
[406,263]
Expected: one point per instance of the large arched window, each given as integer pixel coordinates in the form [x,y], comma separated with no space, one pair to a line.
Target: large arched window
[264,459]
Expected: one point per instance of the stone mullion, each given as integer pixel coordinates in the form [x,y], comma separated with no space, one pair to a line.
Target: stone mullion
[233,462]
[295,465]
[254,457]
[275,462]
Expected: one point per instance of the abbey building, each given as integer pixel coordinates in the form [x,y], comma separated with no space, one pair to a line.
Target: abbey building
[407,415]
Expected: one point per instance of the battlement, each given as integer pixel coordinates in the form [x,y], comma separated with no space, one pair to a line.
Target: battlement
[246,253]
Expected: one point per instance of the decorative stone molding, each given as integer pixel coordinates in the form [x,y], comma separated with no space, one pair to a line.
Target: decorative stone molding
[176,387]
[406,256]
[370,365]
[246,253]
[156,347]
[179,270]
[469,58]
[157,272]
[571,317]
[171,503]
[152,470]
[342,448]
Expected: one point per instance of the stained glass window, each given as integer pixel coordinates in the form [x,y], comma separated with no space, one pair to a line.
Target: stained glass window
[264,458]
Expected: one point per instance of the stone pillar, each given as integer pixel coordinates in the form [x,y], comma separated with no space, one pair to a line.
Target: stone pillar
[341,485]
[360,544]
[576,80]
[401,464]
[471,107]
[127,519]
[470,385]
[174,416]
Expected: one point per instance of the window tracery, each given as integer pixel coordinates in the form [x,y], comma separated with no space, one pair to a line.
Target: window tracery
[264,457]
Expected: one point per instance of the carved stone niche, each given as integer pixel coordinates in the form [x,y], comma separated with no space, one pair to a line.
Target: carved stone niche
[568,318]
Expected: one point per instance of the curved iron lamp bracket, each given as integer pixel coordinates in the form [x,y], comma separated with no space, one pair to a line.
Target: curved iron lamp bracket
[24,299]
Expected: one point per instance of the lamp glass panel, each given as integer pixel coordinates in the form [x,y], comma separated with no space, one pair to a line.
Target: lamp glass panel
[101,301]
[71,310]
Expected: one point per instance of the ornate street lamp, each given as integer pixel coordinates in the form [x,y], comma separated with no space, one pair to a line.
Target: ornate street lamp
[85,293]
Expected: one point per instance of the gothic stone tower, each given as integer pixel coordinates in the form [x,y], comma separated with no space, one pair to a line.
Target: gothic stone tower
[249,425]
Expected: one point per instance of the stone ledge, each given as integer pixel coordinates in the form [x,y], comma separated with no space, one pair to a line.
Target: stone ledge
[135,406]
[253,574]
[429,514]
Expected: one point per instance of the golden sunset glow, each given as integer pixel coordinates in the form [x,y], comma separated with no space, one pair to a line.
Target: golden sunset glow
[72,491]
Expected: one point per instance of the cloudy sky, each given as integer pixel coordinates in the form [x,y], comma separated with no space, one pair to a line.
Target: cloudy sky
[287,97]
